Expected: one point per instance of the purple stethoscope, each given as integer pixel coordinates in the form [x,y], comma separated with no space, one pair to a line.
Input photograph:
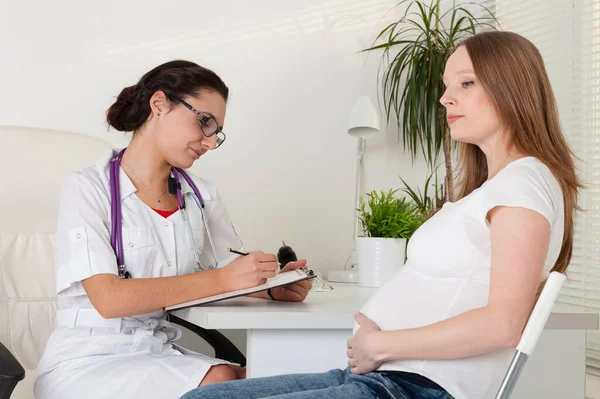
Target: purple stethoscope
[116,236]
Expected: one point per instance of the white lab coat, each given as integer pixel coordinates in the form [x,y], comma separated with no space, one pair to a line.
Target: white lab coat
[90,357]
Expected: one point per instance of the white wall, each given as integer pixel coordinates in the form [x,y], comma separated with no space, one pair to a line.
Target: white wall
[287,168]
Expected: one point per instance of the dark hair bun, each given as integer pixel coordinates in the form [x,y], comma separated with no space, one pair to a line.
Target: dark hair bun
[124,114]
[177,79]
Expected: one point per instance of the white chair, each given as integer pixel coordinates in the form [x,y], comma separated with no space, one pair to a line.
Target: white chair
[531,334]
[35,162]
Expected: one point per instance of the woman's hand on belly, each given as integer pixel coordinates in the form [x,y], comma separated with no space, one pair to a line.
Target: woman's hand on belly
[363,354]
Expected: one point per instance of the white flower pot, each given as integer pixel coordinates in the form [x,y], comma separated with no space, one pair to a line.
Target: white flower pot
[377,259]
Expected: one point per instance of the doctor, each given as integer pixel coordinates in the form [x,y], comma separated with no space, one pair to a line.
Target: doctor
[121,262]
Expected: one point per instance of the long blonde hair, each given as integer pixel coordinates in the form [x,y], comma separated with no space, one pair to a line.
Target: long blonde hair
[511,70]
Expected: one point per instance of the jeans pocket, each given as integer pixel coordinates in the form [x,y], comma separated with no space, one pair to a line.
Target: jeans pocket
[392,387]
[403,389]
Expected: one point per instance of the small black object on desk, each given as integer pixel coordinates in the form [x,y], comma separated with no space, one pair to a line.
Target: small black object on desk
[286,255]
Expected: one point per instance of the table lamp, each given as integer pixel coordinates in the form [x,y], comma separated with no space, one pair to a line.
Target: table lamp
[364,123]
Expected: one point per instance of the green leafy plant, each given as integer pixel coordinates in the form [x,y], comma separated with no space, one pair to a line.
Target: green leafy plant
[389,217]
[415,51]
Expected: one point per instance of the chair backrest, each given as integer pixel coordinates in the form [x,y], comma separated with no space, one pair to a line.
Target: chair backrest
[35,162]
[533,329]
[539,316]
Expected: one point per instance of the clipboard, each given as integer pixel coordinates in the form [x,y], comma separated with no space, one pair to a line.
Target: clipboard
[280,279]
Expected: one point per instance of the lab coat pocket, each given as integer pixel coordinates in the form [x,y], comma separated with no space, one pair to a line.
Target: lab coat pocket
[139,251]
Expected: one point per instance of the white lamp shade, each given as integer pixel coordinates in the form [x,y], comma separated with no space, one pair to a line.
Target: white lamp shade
[364,120]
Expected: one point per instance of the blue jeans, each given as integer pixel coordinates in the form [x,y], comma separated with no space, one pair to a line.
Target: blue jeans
[334,384]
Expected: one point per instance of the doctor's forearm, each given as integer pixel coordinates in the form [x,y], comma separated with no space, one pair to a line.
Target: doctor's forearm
[114,297]
[468,334]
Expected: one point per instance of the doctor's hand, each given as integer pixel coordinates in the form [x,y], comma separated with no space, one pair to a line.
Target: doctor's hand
[363,356]
[295,292]
[249,271]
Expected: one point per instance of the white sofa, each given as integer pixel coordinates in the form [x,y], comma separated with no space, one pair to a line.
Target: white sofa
[34,164]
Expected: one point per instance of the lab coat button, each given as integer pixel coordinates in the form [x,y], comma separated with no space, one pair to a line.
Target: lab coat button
[170,264]
[166,224]
[78,236]
[131,244]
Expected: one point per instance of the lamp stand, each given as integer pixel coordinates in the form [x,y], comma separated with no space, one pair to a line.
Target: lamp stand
[350,274]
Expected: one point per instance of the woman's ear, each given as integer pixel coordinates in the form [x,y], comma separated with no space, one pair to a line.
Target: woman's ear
[159,103]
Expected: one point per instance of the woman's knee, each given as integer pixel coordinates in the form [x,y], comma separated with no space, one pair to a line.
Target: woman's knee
[239,371]
[219,373]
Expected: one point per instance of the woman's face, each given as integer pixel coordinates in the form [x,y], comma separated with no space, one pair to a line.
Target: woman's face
[179,135]
[470,113]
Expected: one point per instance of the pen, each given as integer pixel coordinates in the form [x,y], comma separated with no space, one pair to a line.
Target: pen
[303,268]
[235,251]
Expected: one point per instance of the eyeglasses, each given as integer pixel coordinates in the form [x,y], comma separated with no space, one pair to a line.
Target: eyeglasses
[208,124]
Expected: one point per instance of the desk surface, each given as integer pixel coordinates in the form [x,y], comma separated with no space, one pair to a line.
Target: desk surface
[325,310]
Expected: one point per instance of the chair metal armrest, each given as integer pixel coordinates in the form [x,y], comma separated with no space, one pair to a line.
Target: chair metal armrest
[11,372]
[224,348]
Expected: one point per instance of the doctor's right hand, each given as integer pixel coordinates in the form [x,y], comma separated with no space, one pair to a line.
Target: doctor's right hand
[249,271]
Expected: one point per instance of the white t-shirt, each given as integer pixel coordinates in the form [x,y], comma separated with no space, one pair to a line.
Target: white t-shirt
[447,273]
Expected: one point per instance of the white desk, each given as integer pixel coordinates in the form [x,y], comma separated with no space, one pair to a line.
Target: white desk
[314,335]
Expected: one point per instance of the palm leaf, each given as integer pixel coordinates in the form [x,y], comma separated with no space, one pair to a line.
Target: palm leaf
[415,50]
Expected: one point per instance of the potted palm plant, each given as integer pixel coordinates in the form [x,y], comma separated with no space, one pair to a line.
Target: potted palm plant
[415,51]
[428,201]
[387,224]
